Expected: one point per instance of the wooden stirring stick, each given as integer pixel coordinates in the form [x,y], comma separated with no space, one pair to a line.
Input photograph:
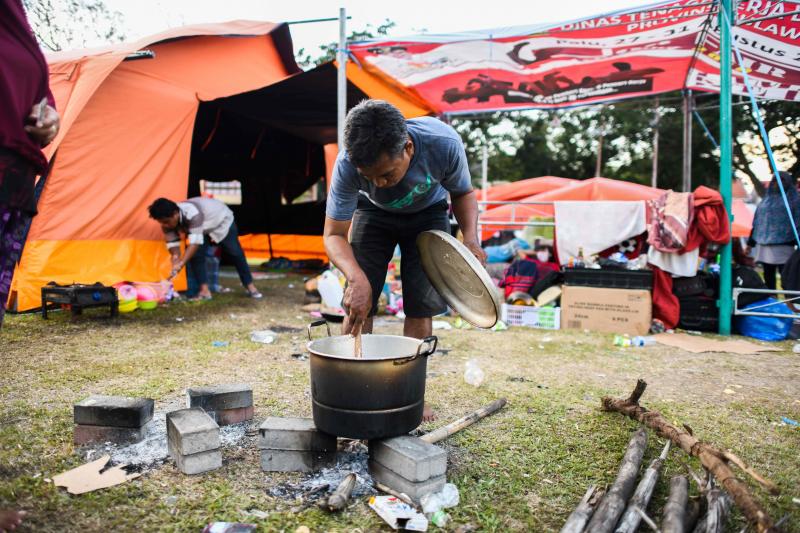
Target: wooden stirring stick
[357,353]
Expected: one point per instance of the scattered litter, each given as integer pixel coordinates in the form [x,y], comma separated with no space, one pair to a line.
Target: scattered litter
[789,421]
[232,316]
[87,477]
[397,514]
[444,499]
[441,324]
[300,356]
[796,500]
[500,326]
[541,346]
[460,323]
[796,348]
[291,285]
[170,500]
[261,515]
[729,391]
[519,379]
[302,529]
[473,374]
[547,339]
[220,344]
[229,527]
[265,336]
[179,319]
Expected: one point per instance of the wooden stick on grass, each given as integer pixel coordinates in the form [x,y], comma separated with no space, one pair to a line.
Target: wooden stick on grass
[675,509]
[631,519]
[608,512]
[710,457]
[577,521]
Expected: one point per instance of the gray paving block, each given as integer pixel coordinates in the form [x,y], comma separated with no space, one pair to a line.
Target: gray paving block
[295,461]
[196,463]
[414,490]
[192,431]
[409,457]
[113,411]
[297,434]
[218,397]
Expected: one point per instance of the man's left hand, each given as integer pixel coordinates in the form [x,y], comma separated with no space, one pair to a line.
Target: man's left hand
[477,251]
[46,129]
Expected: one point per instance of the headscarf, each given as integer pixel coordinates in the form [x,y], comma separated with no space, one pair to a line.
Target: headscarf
[771,223]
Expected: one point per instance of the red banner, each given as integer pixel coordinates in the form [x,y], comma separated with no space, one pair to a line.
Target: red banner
[652,50]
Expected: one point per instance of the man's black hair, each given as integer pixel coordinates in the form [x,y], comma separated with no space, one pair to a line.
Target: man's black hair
[162,208]
[373,128]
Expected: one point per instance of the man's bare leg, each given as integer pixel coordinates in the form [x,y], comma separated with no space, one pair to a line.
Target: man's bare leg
[419,328]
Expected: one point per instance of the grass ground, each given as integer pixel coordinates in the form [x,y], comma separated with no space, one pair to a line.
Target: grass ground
[523,469]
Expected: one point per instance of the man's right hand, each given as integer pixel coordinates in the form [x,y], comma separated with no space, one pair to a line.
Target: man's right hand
[358,302]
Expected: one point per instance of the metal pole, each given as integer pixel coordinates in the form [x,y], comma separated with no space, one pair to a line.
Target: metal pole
[485,170]
[687,140]
[725,166]
[656,117]
[599,164]
[341,79]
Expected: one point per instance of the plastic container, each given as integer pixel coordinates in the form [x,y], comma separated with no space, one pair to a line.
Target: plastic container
[126,292]
[609,279]
[147,305]
[128,306]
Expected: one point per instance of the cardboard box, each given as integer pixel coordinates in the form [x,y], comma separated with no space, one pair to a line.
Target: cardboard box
[611,310]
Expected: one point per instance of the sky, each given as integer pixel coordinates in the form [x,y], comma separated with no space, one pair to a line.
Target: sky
[144,17]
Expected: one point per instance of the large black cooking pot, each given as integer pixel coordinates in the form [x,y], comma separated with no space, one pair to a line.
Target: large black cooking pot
[379,395]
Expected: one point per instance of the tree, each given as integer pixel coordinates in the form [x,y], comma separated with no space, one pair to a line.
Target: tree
[327,52]
[62,24]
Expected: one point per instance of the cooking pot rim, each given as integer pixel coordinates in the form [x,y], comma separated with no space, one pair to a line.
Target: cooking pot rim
[413,354]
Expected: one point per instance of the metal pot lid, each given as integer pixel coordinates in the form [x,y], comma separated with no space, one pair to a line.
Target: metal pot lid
[459,278]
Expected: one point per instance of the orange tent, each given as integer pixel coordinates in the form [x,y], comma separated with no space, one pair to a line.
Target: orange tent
[593,189]
[517,190]
[133,123]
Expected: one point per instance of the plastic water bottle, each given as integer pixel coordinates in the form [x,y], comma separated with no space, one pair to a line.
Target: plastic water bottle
[643,341]
[473,374]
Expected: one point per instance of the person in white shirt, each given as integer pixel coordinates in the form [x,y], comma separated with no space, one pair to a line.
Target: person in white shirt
[201,220]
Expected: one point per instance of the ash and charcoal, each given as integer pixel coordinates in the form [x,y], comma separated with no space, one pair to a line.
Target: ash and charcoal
[152,450]
[353,457]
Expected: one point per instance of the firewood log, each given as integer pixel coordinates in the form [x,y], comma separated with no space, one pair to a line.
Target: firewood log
[631,518]
[577,521]
[675,509]
[613,504]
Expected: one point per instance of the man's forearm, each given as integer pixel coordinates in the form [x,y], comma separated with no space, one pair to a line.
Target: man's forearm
[341,255]
[190,251]
[465,208]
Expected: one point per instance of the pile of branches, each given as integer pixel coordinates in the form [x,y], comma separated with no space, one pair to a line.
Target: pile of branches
[622,508]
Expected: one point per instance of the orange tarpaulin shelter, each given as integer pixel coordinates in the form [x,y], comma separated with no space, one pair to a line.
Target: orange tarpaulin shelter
[141,120]
[517,190]
[592,189]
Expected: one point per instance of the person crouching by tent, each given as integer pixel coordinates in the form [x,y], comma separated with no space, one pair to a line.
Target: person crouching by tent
[28,122]
[200,220]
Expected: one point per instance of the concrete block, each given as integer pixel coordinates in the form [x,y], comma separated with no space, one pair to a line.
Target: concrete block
[196,463]
[218,397]
[409,457]
[116,411]
[227,417]
[415,491]
[192,431]
[86,434]
[295,461]
[297,434]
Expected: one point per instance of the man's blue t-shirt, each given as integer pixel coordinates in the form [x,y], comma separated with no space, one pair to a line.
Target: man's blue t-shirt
[439,166]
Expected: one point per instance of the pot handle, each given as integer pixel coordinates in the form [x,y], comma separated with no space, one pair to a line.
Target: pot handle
[429,342]
[318,323]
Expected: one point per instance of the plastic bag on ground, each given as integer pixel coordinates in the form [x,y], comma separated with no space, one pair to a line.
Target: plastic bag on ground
[473,374]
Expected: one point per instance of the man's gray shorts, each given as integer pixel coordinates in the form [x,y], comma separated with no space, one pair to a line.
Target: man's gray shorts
[374,235]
